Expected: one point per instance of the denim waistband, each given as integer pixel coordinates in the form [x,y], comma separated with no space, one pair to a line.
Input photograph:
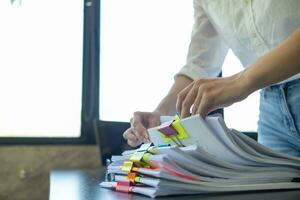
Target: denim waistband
[286,84]
[284,97]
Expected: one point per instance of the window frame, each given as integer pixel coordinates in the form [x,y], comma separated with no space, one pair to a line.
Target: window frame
[90,85]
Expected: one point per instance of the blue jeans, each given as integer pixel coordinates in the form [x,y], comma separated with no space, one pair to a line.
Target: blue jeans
[279,117]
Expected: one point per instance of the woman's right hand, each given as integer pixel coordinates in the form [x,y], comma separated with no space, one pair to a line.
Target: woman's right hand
[140,122]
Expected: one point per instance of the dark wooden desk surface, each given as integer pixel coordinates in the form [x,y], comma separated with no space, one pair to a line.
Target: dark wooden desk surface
[84,185]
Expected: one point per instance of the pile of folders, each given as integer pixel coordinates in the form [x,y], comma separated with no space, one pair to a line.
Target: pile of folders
[210,158]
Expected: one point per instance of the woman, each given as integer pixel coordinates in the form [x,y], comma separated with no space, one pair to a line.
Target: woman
[265,36]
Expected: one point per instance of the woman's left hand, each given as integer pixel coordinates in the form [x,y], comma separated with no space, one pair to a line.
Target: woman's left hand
[205,95]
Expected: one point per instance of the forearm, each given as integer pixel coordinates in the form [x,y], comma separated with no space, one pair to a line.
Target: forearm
[278,65]
[168,104]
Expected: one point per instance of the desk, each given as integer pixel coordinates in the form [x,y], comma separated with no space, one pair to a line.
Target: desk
[84,185]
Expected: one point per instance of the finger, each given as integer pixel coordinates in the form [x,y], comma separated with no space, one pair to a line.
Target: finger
[138,136]
[138,128]
[146,141]
[132,140]
[189,101]
[181,97]
[154,121]
[197,102]
[205,107]
[128,135]
[142,136]
[133,143]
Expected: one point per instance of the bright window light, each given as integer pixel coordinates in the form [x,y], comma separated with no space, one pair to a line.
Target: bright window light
[243,115]
[40,68]
[143,44]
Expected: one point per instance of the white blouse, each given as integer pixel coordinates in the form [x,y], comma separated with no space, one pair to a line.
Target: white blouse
[251,28]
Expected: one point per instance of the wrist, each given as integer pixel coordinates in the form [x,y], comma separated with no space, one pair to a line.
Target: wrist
[244,84]
[167,105]
[251,82]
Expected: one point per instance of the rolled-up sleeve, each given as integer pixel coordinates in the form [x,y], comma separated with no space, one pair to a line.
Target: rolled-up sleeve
[206,51]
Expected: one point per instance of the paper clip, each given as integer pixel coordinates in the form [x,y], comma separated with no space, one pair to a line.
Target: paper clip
[179,141]
[144,147]
[168,130]
[171,133]
[137,156]
[141,159]
[127,166]
[110,177]
[133,177]
[124,186]
[163,145]
[176,124]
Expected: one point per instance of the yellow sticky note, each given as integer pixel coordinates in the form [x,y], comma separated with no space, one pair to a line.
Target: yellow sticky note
[127,166]
[180,129]
[182,133]
[136,157]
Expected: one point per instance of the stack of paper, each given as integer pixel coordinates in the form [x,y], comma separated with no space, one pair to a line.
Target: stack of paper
[204,156]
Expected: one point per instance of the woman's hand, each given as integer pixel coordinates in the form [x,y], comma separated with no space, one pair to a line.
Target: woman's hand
[140,122]
[205,95]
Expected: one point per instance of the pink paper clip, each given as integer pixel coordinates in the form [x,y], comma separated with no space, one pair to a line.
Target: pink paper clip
[168,130]
[124,186]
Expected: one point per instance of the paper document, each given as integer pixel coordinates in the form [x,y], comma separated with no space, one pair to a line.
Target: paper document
[196,155]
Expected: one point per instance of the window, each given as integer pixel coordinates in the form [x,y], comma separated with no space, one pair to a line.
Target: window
[41,68]
[143,43]
[243,115]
